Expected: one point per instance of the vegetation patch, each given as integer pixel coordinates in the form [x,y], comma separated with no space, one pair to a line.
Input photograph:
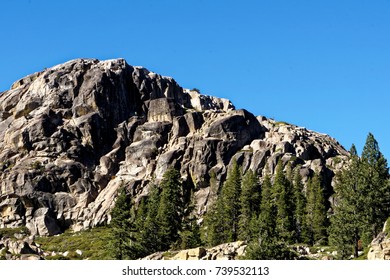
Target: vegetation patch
[281,123]
[92,243]
[169,254]
[337,160]
[37,165]
[10,232]
[6,165]
[387,228]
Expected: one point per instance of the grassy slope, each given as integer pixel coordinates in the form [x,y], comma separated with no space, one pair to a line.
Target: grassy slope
[92,243]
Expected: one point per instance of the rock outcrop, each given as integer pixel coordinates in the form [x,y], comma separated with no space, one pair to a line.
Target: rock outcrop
[73,134]
[227,251]
[19,247]
[380,246]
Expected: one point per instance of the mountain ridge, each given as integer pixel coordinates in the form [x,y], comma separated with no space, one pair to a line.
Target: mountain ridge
[73,134]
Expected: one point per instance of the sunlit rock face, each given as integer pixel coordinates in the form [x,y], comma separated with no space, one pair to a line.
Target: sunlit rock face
[73,134]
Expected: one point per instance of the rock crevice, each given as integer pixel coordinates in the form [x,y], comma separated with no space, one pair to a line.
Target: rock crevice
[73,134]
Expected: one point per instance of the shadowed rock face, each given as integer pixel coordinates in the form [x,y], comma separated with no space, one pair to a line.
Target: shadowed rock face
[71,135]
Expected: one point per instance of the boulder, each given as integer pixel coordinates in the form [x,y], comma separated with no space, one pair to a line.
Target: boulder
[228,251]
[197,253]
[43,223]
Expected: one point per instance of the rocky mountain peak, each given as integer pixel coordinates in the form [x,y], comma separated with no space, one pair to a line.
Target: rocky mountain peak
[71,135]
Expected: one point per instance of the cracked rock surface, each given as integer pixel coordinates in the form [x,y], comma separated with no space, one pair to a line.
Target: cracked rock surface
[73,134]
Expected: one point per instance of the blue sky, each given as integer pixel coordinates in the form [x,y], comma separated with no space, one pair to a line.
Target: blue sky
[320,64]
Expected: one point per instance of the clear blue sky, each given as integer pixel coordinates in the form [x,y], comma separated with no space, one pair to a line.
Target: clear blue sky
[320,64]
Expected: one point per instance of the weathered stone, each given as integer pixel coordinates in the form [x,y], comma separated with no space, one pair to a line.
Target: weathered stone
[43,223]
[72,135]
[182,255]
[198,253]
[30,258]
[228,251]
[380,246]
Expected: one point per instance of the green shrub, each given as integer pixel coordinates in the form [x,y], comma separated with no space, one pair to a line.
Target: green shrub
[10,232]
[269,249]
[337,160]
[91,242]
[281,123]
[57,257]
[387,228]
[37,165]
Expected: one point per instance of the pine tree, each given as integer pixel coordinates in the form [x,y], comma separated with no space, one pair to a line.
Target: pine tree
[266,220]
[215,226]
[249,203]
[289,173]
[282,194]
[121,228]
[149,236]
[141,214]
[170,210]
[346,222]
[300,207]
[189,235]
[375,190]
[362,197]
[316,219]
[265,243]
[222,219]
[212,226]
[231,200]
[139,219]
[269,248]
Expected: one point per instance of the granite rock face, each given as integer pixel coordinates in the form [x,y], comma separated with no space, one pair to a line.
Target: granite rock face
[73,134]
[380,246]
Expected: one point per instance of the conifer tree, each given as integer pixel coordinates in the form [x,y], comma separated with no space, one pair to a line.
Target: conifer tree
[269,248]
[344,231]
[362,198]
[138,219]
[282,194]
[375,190]
[150,235]
[266,219]
[215,226]
[189,235]
[300,207]
[266,243]
[121,228]
[231,199]
[316,219]
[141,214]
[249,203]
[170,210]
[289,173]
[222,219]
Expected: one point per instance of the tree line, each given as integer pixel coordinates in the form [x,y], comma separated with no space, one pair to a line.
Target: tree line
[162,221]
[270,214]
[362,200]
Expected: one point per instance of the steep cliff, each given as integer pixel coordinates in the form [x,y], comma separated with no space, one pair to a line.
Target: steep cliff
[72,134]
